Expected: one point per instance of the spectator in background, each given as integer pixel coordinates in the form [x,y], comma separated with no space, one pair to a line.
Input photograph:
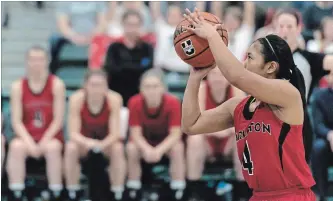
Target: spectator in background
[324,44]
[128,59]
[37,105]
[240,28]
[94,126]
[213,92]
[116,12]
[269,27]
[314,14]
[154,133]
[323,127]
[312,65]
[165,54]
[77,22]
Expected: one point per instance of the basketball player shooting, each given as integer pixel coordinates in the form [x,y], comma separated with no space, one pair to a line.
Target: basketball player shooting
[268,123]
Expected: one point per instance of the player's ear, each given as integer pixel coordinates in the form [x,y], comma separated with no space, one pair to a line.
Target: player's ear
[273,67]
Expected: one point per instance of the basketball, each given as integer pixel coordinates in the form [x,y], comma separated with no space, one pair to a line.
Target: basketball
[191,48]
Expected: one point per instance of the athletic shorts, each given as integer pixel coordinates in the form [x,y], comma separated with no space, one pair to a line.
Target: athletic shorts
[294,195]
[216,145]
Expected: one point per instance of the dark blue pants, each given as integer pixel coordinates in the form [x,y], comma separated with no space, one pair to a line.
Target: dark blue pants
[321,157]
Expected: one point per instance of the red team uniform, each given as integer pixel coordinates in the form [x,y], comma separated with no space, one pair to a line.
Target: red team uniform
[216,144]
[95,126]
[155,122]
[272,154]
[38,109]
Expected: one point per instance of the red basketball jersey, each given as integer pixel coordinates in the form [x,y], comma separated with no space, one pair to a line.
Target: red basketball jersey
[271,151]
[95,126]
[210,103]
[217,144]
[155,122]
[38,109]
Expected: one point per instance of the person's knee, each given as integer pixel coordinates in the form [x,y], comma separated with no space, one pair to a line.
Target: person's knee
[177,151]
[320,147]
[195,144]
[53,147]
[71,150]
[117,150]
[132,151]
[17,146]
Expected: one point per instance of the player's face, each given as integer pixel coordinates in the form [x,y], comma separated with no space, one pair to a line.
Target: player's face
[37,61]
[327,29]
[152,88]
[287,28]
[255,61]
[216,78]
[96,86]
[132,26]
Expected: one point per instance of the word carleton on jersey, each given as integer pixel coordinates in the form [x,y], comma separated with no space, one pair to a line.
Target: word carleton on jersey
[258,127]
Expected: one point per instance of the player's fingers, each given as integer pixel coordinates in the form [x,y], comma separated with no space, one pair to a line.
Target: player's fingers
[218,26]
[200,17]
[189,19]
[189,29]
[192,15]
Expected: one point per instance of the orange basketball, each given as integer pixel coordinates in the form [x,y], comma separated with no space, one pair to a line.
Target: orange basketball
[195,50]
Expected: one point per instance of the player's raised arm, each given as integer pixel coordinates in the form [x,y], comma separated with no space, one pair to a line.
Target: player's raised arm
[273,91]
[196,122]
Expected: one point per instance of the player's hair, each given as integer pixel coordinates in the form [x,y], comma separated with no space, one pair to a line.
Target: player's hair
[153,73]
[92,72]
[276,49]
[36,48]
[292,12]
[129,13]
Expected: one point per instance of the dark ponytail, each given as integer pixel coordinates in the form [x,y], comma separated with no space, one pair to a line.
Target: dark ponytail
[276,49]
[297,80]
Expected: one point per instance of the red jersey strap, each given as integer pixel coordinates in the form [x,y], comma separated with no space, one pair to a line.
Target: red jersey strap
[210,99]
[105,107]
[48,84]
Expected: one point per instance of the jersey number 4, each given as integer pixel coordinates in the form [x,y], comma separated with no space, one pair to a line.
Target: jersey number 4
[247,161]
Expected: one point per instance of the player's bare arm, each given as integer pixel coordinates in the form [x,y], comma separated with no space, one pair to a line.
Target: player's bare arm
[16,113]
[116,102]
[195,121]
[138,139]
[58,92]
[74,118]
[202,98]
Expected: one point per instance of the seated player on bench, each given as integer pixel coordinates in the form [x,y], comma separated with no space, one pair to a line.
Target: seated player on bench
[37,105]
[94,125]
[155,132]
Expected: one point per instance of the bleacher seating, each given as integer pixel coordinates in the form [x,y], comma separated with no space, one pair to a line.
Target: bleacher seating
[73,76]
[72,53]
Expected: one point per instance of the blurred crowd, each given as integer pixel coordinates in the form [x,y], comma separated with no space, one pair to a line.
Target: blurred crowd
[128,108]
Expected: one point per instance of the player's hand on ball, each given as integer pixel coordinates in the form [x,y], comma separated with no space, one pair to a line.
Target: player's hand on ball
[200,27]
[200,73]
